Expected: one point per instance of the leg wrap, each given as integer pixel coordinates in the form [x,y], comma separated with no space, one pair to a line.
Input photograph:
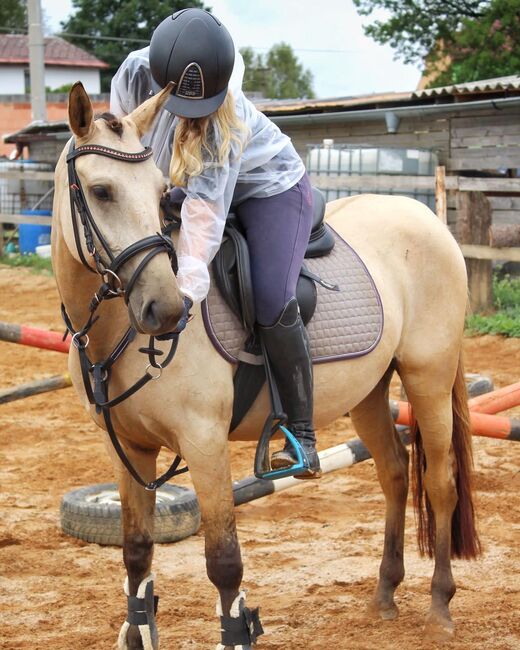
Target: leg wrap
[242,627]
[141,612]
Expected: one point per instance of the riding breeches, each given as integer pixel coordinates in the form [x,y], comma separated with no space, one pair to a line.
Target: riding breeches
[277,230]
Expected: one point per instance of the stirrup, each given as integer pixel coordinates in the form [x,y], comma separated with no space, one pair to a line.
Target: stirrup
[263,467]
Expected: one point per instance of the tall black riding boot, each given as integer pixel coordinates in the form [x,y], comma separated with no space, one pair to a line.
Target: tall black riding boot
[288,350]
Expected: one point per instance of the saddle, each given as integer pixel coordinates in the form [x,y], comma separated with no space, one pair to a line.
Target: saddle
[232,271]
[232,275]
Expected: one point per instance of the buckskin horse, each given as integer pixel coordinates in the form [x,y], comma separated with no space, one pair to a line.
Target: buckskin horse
[110,238]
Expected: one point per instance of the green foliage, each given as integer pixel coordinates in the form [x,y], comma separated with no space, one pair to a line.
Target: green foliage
[125,19]
[35,262]
[506,320]
[487,47]
[460,40]
[13,15]
[63,90]
[414,27]
[278,75]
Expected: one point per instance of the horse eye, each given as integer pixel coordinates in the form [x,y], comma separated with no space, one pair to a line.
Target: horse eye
[101,192]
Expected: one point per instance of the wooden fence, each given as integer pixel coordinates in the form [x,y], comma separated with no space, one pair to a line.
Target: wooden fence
[460,193]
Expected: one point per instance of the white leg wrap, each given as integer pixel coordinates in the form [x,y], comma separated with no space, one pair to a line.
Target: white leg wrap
[144,630]
[234,613]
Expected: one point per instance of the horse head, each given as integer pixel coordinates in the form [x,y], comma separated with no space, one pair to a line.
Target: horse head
[107,216]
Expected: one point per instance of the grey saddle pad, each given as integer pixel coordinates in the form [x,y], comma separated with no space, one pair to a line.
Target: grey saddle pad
[346,323]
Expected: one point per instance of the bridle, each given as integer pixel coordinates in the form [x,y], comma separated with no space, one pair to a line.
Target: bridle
[96,375]
[157,243]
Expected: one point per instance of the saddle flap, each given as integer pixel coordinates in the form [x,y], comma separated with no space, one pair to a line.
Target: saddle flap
[232,272]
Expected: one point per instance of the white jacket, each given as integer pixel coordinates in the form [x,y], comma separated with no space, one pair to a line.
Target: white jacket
[267,165]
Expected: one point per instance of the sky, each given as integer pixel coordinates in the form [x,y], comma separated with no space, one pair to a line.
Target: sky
[327,37]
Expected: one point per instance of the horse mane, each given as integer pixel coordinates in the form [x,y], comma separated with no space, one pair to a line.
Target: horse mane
[113,122]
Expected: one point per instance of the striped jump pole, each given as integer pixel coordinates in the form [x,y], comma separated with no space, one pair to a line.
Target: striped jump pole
[34,337]
[34,388]
[345,455]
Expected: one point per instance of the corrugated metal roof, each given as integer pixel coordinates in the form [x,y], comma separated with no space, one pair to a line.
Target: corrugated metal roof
[486,85]
[14,48]
[274,106]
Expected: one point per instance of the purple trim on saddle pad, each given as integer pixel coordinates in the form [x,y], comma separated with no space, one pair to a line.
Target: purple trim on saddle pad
[346,324]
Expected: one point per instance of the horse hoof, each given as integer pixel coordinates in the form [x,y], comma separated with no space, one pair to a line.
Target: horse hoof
[385,612]
[439,631]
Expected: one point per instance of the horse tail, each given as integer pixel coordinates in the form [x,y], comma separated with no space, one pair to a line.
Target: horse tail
[465,541]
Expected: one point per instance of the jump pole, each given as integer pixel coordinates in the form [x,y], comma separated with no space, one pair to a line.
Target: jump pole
[339,457]
[34,388]
[482,424]
[34,337]
[497,400]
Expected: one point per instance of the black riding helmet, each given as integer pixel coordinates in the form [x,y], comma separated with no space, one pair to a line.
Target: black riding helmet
[193,49]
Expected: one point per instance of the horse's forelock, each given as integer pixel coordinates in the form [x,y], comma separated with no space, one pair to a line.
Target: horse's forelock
[113,122]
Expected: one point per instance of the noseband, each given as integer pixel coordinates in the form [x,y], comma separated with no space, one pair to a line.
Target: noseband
[96,375]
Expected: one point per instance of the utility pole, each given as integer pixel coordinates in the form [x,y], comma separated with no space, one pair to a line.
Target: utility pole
[36,61]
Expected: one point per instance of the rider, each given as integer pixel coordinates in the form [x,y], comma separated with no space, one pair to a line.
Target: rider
[215,145]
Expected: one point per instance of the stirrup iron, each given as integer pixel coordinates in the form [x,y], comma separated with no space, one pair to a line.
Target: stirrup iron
[263,467]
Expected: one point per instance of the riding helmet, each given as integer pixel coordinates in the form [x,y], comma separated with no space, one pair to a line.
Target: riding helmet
[193,49]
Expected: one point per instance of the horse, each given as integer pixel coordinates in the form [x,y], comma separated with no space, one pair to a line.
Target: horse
[421,277]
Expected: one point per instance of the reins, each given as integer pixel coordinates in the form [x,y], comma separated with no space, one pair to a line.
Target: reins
[96,375]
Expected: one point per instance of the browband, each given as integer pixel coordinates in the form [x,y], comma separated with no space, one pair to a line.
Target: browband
[110,153]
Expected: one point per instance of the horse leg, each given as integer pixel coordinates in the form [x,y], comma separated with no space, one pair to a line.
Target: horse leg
[211,475]
[373,422]
[137,505]
[432,408]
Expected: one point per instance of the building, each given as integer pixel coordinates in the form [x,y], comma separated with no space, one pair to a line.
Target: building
[64,64]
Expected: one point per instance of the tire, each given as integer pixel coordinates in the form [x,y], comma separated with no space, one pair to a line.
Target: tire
[93,514]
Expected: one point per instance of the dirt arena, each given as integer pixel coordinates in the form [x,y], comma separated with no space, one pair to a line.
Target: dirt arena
[311,555]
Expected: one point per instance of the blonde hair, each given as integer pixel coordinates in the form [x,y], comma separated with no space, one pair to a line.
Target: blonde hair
[193,141]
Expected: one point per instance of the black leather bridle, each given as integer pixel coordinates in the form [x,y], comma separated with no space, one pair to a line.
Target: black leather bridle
[96,375]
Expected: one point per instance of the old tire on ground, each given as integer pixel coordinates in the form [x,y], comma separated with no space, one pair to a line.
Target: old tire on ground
[93,514]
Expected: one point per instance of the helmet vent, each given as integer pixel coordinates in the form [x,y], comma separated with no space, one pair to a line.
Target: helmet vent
[191,84]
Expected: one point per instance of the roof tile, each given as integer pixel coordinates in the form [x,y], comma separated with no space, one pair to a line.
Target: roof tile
[14,48]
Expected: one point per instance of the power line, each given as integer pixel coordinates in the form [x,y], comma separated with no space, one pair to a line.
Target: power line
[104,38]
[146,42]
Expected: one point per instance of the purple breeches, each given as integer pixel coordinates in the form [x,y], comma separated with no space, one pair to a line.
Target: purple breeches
[277,229]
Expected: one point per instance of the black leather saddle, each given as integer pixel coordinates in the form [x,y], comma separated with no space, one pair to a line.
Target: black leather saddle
[232,272]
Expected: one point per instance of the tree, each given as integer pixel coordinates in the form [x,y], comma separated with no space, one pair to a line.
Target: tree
[132,21]
[485,48]
[457,40]
[13,16]
[278,75]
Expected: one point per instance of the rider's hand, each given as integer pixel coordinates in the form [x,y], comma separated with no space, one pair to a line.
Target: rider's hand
[171,209]
[183,321]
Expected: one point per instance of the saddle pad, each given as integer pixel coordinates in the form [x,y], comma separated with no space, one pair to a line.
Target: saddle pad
[346,323]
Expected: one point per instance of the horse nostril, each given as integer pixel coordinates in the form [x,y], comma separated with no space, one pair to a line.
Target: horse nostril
[151,315]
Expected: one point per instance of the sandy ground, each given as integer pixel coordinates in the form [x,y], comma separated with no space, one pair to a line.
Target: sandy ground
[311,555]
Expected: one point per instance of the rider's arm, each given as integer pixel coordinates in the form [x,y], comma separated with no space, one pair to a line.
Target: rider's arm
[131,84]
[203,214]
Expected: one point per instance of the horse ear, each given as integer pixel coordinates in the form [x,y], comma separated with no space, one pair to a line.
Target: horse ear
[144,115]
[81,115]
